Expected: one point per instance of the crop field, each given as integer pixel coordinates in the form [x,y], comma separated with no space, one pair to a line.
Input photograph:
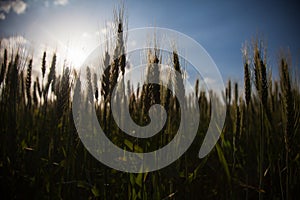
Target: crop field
[42,157]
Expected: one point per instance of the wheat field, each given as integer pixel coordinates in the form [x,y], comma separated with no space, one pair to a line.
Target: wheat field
[42,157]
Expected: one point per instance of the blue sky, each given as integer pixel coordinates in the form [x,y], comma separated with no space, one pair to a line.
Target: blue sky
[220,27]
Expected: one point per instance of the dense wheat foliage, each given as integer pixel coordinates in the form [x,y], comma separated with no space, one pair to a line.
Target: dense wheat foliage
[42,157]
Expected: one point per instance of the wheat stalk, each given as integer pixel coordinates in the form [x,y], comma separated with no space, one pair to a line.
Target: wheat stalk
[288,107]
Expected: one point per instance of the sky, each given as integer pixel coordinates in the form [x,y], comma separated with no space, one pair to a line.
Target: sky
[74,28]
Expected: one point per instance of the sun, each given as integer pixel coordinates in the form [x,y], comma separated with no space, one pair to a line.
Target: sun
[73,51]
[76,56]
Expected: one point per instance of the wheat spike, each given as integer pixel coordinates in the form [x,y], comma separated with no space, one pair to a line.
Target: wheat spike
[247,83]
[3,67]
[44,64]
[28,83]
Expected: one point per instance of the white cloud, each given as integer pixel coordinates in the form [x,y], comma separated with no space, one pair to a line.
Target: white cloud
[16,44]
[2,16]
[209,81]
[14,41]
[17,6]
[61,2]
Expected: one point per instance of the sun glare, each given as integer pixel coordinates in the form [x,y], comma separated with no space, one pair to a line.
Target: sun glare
[76,56]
